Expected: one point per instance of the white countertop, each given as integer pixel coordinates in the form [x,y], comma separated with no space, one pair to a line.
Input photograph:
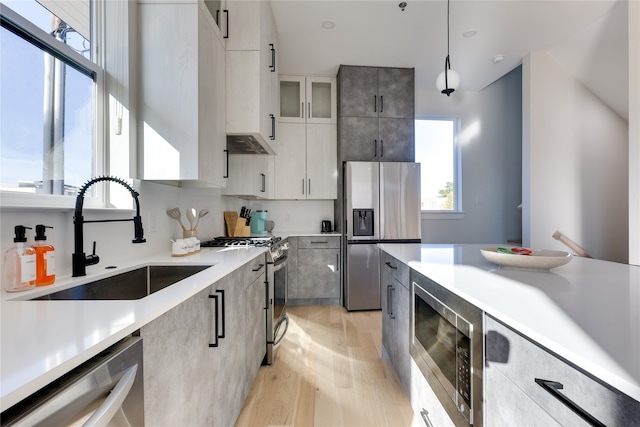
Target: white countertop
[587,311]
[42,340]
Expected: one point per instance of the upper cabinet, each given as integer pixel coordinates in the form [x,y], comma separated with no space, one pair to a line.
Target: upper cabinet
[217,9]
[376,110]
[307,99]
[252,78]
[182,93]
[377,92]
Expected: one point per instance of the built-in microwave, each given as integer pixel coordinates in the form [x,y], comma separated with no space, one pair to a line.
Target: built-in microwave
[446,344]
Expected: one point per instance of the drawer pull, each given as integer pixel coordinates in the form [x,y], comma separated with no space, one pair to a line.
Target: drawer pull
[258,268]
[425,417]
[553,388]
[319,243]
[391,266]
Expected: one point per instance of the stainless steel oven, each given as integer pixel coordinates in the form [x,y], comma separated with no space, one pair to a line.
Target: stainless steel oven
[277,289]
[447,345]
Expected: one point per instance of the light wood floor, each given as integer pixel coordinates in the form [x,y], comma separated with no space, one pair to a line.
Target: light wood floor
[328,372]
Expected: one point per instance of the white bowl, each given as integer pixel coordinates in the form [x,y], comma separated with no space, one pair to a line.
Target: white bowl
[540,259]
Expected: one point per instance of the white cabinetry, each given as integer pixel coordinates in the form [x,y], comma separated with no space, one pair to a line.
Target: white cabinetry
[252,80]
[250,176]
[307,99]
[306,164]
[182,93]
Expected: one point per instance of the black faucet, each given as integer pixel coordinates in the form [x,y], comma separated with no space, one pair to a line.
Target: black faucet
[79,260]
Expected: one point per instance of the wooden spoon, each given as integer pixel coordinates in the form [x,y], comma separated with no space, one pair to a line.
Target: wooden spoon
[202,213]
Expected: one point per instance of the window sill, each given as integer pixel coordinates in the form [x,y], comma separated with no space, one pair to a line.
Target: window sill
[442,215]
[14,201]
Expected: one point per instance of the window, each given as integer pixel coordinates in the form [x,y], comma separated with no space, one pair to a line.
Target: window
[438,153]
[49,97]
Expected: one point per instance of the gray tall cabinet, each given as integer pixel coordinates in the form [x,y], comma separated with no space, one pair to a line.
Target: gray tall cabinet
[376,122]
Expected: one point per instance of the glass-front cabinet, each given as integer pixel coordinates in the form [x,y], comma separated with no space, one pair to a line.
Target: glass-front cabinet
[307,99]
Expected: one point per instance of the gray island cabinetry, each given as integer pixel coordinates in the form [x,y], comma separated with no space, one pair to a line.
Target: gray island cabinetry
[395,303]
[314,270]
[527,385]
[195,375]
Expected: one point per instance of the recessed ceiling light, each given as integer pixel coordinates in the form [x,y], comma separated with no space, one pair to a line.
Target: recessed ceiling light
[328,25]
[498,59]
[469,33]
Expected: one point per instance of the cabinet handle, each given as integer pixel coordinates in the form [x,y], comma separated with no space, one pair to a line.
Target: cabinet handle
[337,262]
[390,302]
[309,110]
[227,174]
[259,267]
[273,58]
[226,36]
[375,148]
[391,266]
[302,110]
[381,104]
[388,298]
[221,292]
[273,127]
[375,104]
[309,187]
[303,186]
[552,387]
[425,417]
[215,321]
[319,243]
[264,183]
[381,148]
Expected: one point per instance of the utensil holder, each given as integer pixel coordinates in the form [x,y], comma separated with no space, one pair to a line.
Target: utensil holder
[236,227]
[189,233]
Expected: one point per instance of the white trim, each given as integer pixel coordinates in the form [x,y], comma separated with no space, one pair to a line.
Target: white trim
[442,215]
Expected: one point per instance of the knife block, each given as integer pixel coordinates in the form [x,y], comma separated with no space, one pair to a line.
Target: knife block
[236,227]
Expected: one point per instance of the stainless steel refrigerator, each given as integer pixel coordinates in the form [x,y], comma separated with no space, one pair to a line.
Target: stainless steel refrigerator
[382,205]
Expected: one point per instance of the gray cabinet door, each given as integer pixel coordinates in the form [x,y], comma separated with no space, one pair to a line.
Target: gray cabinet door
[358,89]
[401,301]
[255,329]
[396,92]
[396,140]
[318,274]
[358,140]
[227,370]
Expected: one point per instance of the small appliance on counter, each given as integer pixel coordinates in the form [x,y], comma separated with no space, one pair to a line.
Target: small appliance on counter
[325,227]
[257,222]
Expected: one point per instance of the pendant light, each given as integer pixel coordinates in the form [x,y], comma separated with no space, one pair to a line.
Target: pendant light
[448,80]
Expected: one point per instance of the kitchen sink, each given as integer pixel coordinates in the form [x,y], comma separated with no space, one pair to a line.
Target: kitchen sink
[131,285]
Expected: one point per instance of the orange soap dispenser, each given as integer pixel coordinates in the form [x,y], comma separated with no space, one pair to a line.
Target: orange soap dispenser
[45,258]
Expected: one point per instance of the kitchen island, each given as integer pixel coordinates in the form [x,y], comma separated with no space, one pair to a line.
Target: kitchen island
[586,312]
[42,340]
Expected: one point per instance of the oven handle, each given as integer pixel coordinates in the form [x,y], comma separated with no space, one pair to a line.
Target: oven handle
[113,403]
[279,263]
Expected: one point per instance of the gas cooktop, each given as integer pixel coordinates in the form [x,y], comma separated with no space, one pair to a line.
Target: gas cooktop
[218,242]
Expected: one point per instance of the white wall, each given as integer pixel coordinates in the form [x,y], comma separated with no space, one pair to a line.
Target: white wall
[296,216]
[634,132]
[491,162]
[575,167]
[114,239]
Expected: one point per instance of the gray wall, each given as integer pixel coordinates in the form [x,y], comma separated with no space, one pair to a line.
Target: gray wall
[491,141]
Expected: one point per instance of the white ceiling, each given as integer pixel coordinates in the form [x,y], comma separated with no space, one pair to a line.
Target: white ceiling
[587,37]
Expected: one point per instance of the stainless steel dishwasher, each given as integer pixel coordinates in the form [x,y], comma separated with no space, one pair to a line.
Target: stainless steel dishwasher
[107,390]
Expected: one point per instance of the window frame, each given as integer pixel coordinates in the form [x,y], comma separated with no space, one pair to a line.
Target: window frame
[22,27]
[458,212]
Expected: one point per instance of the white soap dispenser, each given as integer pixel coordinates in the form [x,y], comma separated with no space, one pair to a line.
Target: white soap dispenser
[19,264]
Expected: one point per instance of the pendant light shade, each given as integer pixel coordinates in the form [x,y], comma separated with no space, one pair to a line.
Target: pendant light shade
[448,80]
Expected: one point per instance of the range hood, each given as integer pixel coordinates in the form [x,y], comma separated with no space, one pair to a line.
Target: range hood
[247,144]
